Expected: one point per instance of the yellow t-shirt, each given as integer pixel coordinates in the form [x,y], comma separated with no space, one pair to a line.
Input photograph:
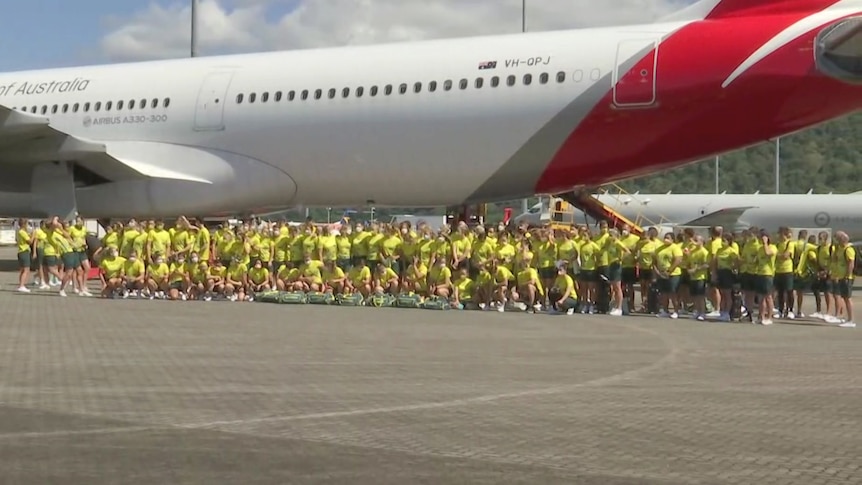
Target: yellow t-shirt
[726,257]
[386,275]
[333,275]
[546,254]
[312,270]
[258,276]
[343,246]
[22,238]
[133,269]
[359,275]
[328,245]
[439,274]
[665,256]
[589,255]
[846,254]
[112,267]
[159,272]
[698,264]
[646,252]
[766,264]
[236,272]
[465,287]
[177,273]
[502,276]
[749,254]
[79,238]
[564,282]
[785,265]
[567,250]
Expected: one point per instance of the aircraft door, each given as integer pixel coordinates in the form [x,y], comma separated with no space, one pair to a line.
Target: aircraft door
[635,73]
[209,113]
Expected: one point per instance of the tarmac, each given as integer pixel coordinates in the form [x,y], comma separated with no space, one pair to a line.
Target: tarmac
[138,392]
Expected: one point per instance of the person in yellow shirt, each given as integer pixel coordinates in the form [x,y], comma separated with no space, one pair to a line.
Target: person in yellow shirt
[545,258]
[385,279]
[748,265]
[483,288]
[784,272]
[504,282]
[235,276]
[463,290]
[615,251]
[344,245]
[440,278]
[822,285]
[698,265]
[389,249]
[78,235]
[527,292]
[461,244]
[713,292]
[806,263]
[134,275]
[765,276]
[629,274]
[327,246]
[416,278]
[588,277]
[562,294]
[111,273]
[40,238]
[844,276]
[62,243]
[482,250]
[725,262]
[157,277]
[287,277]
[359,278]
[26,243]
[333,278]
[667,267]
[310,277]
[257,279]
[646,249]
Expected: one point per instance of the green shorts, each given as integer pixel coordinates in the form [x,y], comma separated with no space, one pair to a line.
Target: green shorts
[71,261]
[51,261]
[614,272]
[24,260]
[763,284]
[844,288]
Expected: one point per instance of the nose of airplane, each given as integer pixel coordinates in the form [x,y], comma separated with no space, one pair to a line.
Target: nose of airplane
[838,50]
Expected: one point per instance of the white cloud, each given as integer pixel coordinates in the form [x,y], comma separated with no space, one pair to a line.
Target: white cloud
[231,26]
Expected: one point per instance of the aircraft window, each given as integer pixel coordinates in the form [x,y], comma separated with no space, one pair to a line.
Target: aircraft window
[402,88]
[143,104]
[359,91]
[463,84]
[561,77]
[119,105]
[543,78]
[154,103]
[291,95]
[528,79]
[132,102]
[479,82]
[495,81]
[345,92]
[75,107]
[97,106]
[252,97]
[54,109]
[417,87]
[387,90]
[238,101]
[44,109]
[166,102]
[108,105]
[510,81]
[264,97]
[318,93]
[447,85]
[65,108]
[304,94]
[331,93]
[432,86]
[373,91]
[277,96]
[86,107]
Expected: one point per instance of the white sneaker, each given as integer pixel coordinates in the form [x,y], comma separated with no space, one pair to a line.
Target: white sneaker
[537,307]
[23,289]
[521,306]
[847,325]
[817,315]
[800,315]
[570,311]
[831,319]
[63,293]
[481,306]
[44,287]
[766,321]
[791,316]
[85,293]
[616,312]
[714,314]
[674,315]
[184,297]
[700,318]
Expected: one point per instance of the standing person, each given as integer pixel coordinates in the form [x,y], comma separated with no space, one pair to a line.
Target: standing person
[714,292]
[823,283]
[844,275]
[26,247]
[629,265]
[667,269]
[725,263]
[765,276]
[615,250]
[806,265]
[698,271]
[784,270]
[645,258]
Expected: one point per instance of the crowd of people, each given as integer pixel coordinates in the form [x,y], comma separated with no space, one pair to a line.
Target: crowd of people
[752,275]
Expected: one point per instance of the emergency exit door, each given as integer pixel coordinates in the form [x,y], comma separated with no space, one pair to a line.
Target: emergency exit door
[635,73]
[209,114]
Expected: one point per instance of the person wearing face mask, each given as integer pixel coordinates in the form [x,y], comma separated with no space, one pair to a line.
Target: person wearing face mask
[629,276]
[111,273]
[159,241]
[442,248]
[645,256]
[483,250]
[157,277]
[748,267]
[257,279]
[616,251]
[359,279]
[71,263]
[386,280]
[134,274]
[425,246]
[78,235]
[784,271]
[765,275]
[235,277]
[344,246]
[178,278]
[359,243]
[503,284]
[588,278]
[415,279]
[667,268]
[333,278]
[440,279]
[310,277]
[286,278]
[310,242]
[375,239]
[725,263]
[461,246]
[698,264]
[528,289]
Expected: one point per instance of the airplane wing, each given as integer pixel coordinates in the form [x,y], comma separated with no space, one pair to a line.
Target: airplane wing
[727,217]
[30,138]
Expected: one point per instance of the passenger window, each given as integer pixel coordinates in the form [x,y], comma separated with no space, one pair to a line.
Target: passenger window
[345,92]
[561,77]
[277,96]
[479,82]
[252,97]
[44,109]
[359,91]
[238,101]
[119,105]
[331,93]
[447,85]
[495,81]
[402,88]
[264,97]
[387,90]
[108,105]
[373,91]
[97,106]
[432,86]
[543,78]
[291,95]
[528,79]
[65,108]
[75,107]
[318,93]
[166,102]
[154,103]
[33,109]
[86,107]
[54,108]
[132,102]
[143,104]
[510,81]
[463,84]
[304,94]
[417,87]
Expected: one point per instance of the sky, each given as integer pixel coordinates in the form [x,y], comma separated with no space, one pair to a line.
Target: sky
[39,34]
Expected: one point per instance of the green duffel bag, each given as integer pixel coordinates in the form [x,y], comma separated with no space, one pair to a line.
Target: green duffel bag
[408,301]
[318,298]
[268,296]
[436,303]
[380,300]
[293,298]
[355,299]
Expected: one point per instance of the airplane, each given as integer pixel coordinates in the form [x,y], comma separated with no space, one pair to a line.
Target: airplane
[433,123]
[810,211]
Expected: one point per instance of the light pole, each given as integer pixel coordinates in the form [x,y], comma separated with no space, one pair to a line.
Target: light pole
[194,44]
[525,203]
[716,173]
[777,164]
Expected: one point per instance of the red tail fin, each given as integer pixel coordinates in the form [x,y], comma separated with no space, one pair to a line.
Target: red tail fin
[747,8]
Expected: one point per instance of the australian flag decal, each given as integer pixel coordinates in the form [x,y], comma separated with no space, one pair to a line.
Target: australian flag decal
[487,65]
